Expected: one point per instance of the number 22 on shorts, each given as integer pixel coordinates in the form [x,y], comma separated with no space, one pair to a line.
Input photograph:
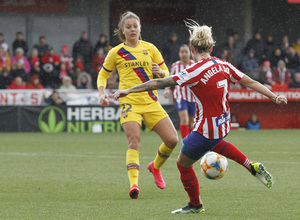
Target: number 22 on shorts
[125,109]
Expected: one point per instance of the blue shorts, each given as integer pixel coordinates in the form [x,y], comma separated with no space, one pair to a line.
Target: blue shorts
[182,104]
[195,145]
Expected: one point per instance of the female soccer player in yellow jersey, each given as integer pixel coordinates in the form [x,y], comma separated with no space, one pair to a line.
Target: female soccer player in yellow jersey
[137,61]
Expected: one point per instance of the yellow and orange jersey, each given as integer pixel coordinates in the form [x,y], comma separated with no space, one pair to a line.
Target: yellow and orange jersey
[134,67]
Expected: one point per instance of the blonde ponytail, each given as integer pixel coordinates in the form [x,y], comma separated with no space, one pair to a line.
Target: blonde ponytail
[200,36]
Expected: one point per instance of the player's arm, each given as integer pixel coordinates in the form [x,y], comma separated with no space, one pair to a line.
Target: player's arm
[104,73]
[258,87]
[101,84]
[147,86]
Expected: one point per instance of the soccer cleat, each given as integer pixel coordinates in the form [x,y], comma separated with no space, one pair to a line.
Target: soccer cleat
[157,176]
[258,170]
[189,209]
[134,192]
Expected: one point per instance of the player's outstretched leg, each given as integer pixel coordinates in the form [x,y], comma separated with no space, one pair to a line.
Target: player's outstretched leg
[258,170]
[230,151]
[191,185]
[154,167]
[132,162]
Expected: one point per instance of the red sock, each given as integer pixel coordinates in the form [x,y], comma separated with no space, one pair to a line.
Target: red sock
[184,130]
[190,184]
[228,150]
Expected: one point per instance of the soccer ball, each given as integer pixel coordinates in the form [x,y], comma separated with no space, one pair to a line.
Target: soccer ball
[213,166]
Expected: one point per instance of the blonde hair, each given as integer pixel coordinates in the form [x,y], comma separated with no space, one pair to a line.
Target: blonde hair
[125,16]
[200,36]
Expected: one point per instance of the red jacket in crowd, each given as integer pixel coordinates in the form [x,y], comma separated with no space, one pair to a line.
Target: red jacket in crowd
[34,83]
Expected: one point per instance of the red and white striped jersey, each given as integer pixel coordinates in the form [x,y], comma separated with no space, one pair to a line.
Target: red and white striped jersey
[181,92]
[209,82]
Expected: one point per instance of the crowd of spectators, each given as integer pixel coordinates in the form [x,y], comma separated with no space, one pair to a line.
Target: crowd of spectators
[274,64]
[41,67]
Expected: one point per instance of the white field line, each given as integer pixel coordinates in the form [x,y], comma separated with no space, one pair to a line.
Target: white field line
[47,154]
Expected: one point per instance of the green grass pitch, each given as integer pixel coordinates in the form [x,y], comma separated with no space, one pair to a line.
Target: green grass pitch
[83,176]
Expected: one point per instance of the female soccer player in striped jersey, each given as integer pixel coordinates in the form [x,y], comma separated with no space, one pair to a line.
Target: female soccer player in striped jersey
[209,80]
[184,99]
[136,62]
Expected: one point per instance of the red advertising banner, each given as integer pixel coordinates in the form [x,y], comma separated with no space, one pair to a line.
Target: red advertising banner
[294,1]
[244,95]
[39,6]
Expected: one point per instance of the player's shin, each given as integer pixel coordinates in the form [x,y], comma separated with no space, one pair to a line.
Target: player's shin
[190,183]
[228,150]
[132,163]
[162,155]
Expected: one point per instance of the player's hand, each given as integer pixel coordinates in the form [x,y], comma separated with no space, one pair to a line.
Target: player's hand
[104,100]
[281,100]
[156,69]
[120,93]
[167,92]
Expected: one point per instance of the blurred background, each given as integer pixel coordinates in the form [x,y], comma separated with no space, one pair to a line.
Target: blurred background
[56,48]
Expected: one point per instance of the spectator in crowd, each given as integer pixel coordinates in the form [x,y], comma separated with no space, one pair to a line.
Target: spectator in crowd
[20,42]
[42,46]
[270,46]
[78,68]
[295,84]
[17,83]
[63,72]
[84,81]
[4,60]
[238,44]
[225,55]
[19,57]
[50,76]
[65,57]
[97,63]
[101,43]
[297,46]
[276,56]
[170,50]
[18,69]
[54,99]
[234,121]
[266,75]
[67,84]
[3,44]
[292,61]
[257,45]
[98,60]
[84,48]
[253,123]
[5,79]
[34,83]
[34,61]
[250,65]
[234,50]
[282,75]
[284,44]
[51,57]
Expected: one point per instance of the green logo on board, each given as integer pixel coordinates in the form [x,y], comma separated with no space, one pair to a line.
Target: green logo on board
[52,120]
